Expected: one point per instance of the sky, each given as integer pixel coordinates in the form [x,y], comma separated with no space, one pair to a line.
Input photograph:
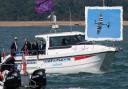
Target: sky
[112,16]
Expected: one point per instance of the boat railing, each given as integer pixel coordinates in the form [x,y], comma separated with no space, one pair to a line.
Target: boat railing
[3,58]
[29,52]
[23,52]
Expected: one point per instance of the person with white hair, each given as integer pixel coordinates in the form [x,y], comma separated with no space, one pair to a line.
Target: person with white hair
[14,46]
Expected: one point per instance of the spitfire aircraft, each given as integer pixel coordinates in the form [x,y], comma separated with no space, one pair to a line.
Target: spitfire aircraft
[100,24]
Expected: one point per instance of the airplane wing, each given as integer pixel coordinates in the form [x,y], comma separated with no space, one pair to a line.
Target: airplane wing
[108,25]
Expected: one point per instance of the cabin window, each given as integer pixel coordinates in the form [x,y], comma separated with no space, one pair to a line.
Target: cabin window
[63,41]
[59,41]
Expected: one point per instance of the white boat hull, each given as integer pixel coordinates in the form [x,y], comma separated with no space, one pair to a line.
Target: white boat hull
[70,65]
[89,58]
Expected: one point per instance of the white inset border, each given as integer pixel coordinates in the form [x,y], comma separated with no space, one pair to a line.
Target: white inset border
[104,8]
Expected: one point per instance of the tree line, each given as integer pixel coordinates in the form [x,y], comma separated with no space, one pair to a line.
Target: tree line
[23,10]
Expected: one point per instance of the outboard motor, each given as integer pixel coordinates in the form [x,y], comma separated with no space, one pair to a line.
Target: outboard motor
[38,79]
[12,80]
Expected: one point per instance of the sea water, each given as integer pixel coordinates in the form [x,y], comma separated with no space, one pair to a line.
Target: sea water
[115,78]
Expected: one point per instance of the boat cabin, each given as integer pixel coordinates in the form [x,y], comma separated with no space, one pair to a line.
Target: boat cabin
[62,40]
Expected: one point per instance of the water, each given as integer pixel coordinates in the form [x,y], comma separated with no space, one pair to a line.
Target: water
[116,78]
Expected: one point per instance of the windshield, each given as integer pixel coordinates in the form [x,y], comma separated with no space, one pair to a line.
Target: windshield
[66,40]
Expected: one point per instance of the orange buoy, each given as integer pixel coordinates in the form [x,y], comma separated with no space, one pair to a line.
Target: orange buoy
[23,66]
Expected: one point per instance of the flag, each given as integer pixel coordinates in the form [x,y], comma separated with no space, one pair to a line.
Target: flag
[3,54]
[43,6]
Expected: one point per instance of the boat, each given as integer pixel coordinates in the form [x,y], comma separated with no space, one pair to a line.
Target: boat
[71,52]
[66,53]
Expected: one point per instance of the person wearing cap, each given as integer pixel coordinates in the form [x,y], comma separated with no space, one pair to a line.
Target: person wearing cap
[14,46]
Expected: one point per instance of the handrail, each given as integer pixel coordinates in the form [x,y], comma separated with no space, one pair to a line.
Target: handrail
[29,52]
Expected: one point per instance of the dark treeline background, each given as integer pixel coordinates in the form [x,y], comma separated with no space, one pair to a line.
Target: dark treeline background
[23,10]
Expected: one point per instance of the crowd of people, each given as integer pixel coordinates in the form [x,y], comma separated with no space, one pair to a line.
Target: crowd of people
[28,48]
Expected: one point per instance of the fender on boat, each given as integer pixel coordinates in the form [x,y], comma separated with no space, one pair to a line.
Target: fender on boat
[12,80]
[38,78]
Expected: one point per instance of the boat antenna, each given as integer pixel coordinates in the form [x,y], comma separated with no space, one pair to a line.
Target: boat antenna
[70,15]
[103,2]
[70,18]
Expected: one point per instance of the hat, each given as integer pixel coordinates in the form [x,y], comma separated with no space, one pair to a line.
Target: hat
[15,38]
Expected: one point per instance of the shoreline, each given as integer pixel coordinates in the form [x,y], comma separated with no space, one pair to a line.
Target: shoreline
[44,23]
[38,23]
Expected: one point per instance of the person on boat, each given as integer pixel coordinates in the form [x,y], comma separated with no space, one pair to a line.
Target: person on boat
[10,63]
[64,42]
[0,57]
[34,48]
[12,60]
[53,17]
[37,46]
[42,47]
[27,47]
[14,46]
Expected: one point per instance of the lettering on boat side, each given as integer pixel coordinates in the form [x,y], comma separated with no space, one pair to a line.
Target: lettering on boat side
[32,57]
[57,60]
[57,64]
[28,62]
[31,62]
